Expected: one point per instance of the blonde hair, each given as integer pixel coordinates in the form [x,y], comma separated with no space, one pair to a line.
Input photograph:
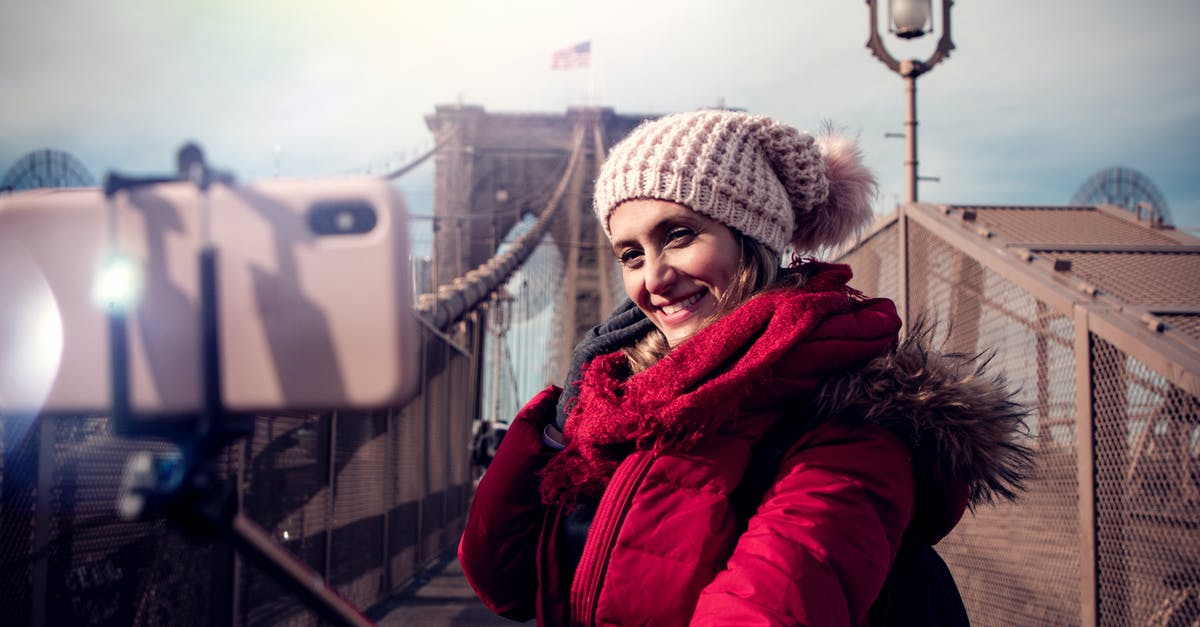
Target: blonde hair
[758,270]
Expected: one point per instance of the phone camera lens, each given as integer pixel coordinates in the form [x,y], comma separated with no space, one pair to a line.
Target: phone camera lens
[342,218]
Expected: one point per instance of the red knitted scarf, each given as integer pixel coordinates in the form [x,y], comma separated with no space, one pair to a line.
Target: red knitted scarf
[754,353]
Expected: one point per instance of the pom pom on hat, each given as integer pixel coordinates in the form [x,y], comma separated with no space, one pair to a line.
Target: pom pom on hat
[758,176]
[846,211]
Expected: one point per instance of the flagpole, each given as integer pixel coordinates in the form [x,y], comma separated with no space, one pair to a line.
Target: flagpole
[591,85]
[571,59]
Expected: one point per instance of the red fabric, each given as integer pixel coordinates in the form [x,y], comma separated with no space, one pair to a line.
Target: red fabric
[701,385]
[819,548]
[668,446]
[498,550]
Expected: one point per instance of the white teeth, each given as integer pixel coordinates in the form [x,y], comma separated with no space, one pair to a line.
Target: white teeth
[680,306]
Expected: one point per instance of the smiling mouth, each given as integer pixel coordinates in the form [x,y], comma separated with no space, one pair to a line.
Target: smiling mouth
[681,305]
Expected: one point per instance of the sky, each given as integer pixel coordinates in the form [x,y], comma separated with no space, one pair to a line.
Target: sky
[1037,97]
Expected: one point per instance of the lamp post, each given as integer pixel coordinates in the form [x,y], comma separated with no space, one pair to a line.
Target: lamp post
[910,19]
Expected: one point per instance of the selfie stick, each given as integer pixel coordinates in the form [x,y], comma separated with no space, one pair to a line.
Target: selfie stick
[187,487]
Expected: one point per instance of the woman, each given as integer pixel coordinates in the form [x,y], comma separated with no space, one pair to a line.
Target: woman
[614,501]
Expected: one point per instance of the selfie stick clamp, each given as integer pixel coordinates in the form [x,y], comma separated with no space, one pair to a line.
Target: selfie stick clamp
[187,488]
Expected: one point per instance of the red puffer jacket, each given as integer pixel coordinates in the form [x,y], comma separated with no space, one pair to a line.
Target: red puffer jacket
[664,449]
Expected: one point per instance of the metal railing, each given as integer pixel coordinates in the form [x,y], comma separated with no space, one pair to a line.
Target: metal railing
[1108,532]
[366,499]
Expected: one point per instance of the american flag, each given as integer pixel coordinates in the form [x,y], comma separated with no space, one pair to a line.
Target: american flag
[576,56]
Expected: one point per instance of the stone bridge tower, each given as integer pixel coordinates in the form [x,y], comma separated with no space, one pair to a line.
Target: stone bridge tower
[494,168]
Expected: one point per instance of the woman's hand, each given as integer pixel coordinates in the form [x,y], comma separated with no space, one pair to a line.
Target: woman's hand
[625,326]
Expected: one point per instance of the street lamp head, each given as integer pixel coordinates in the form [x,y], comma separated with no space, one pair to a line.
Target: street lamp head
[909,19]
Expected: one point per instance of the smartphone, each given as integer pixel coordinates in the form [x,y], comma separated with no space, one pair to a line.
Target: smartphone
[313,287]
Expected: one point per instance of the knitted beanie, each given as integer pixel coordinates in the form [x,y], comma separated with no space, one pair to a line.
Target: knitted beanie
[758,176]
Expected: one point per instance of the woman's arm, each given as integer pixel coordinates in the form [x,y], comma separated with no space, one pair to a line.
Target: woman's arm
[820,545]
[499,545]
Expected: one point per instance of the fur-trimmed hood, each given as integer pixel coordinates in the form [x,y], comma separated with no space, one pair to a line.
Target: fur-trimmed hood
[772,359]
[960,422]
[734,377]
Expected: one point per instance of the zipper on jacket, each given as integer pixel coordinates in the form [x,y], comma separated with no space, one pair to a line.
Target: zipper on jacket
[602,537]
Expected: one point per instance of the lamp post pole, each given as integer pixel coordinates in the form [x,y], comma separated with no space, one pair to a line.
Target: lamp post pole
[910,69]
[910,137]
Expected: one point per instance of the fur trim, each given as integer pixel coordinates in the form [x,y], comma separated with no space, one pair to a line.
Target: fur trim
[756,355]
[961,422]
[847,210]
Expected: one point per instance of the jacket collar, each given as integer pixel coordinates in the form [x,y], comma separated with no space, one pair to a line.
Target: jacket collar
[779,346]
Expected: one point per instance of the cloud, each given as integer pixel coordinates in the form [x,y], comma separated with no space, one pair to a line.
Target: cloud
[1035,98]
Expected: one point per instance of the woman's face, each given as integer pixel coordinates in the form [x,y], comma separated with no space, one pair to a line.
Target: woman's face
[675,263]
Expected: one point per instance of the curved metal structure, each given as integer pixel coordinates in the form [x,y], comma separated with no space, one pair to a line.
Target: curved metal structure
[47,168]
[1127,188]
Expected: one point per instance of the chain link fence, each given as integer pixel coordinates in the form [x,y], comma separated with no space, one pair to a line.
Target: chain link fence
[368,500]
[1148,502]
[1124,552]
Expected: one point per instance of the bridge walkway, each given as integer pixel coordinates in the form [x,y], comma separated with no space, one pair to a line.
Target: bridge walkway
[444,599]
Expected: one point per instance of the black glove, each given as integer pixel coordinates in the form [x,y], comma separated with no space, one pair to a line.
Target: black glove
[625,326]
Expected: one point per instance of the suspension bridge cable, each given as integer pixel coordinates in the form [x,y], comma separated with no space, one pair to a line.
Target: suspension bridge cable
[608,295]
[549,278]
[410,166]
[451,301]
[532,289]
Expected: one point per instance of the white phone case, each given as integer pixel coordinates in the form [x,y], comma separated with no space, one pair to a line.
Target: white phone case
[314,294]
